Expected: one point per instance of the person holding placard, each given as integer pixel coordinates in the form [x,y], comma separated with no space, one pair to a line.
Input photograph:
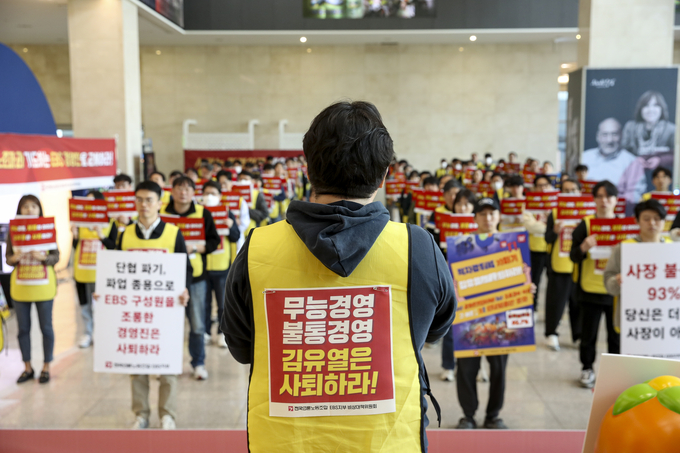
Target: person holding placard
[33,281]
[650,215]
[182,204]
[218,262]
[151,234]
[536,226]
[86,241]
[560,276]
[662,178]
[590,290]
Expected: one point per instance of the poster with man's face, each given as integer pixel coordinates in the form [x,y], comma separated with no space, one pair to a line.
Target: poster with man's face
[629,127]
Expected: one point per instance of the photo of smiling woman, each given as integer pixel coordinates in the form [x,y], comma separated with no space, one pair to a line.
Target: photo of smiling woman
[650,136]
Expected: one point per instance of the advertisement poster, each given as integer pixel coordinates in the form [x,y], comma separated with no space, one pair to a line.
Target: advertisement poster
[364,9]
[85,212]
[140,322]
[650,304]
[330,351]
[629,127]
[493,287]
[48,162]
[33,234]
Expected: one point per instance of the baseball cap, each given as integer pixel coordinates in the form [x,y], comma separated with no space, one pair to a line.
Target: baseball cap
[485,202]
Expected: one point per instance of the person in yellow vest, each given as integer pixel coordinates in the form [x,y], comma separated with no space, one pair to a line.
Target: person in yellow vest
[121,182]
[650,215]
[182,204]
[536,228]
[258,207]
[33,281]
[594,301]
[451,190]
[86,243]
[662,178]
[150,233]
[218,262]
[342,239]
[560,288]
[159,178]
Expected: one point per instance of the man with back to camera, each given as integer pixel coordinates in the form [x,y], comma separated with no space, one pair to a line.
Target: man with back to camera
[340,239]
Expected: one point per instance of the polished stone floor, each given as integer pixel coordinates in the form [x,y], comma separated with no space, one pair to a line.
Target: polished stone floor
[541,392]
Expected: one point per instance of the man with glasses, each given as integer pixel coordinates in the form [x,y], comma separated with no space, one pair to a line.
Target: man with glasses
[182,204]
[560,275]
[591,293]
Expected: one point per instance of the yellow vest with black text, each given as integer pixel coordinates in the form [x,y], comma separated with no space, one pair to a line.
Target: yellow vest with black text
[195,258]
[277,258]
[590,281]
[33,282]
[559,264]
[166,243]
[537,243]
[85,259]
[220,259]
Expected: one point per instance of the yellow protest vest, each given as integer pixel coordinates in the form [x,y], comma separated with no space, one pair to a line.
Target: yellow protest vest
[32,281]
[166,243]
[165,199]
[220,259]
[195,259]
[253,205]
[537,243]
[559,264]
[443,209]
[85,259]
[277,258]
[590,281]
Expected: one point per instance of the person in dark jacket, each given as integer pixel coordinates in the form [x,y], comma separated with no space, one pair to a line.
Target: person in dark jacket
[341,239]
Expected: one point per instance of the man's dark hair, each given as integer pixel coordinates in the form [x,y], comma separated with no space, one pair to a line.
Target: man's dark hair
[452,184]
[542,177]
[348,150]
[228,164]
[512,153]
[573,181]
[206,165]
[214,184]
[270,158]
[192,169]
[96,194]
[581,167]
[151,187]
[611,189]
[514,181]
[658,170]
[250,165]
[267,167]
[425,173]
[237,162]
[176,174]
[488,155]
[650,205]
[430,180]
[466,194]
[226,173]
[157,173]
[184,181]
[413,173]
[494,174]
[122,178]
[246,173]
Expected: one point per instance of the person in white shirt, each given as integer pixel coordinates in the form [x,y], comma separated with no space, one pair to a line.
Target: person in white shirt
[609,160]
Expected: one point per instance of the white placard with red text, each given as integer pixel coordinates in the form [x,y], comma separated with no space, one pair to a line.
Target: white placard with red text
[650,300]
[140,322]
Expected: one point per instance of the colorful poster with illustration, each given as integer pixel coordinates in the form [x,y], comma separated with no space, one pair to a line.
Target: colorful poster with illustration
[491,274]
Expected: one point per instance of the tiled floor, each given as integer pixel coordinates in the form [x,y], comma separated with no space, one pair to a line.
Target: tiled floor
[541,392]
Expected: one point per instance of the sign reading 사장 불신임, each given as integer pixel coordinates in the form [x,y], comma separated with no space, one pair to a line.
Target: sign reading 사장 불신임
[495,307]
[650,300]
[140,322]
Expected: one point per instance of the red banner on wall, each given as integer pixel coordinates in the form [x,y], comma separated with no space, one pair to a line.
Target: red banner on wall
[44,158]
[85,212]
[192,229]
[33,233]
[330,351]
[192,158]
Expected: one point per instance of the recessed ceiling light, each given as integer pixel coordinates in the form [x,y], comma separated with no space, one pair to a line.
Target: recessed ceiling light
[460,49]
[565,65]
[303,39]
[25,49]
[309,50]
[473,38]
[578,36]
[564,78]
[158,52]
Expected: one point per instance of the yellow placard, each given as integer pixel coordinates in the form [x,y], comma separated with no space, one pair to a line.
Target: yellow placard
[489,273]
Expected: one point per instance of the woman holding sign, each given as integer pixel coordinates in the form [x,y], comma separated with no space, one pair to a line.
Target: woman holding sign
[33,280]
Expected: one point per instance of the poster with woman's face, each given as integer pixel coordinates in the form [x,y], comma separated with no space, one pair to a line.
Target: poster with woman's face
[629,127]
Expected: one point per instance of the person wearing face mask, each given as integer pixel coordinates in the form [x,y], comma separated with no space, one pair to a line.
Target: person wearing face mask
[591,293]
[497,184]
[650,215]
[443,169]
[218,262]
[182,204]
[463,203]
[488,163]
[560,277]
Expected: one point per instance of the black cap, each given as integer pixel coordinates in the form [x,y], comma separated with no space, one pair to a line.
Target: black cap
[484,203]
